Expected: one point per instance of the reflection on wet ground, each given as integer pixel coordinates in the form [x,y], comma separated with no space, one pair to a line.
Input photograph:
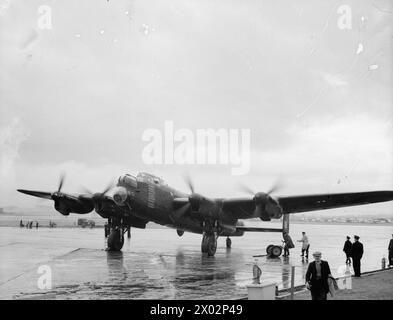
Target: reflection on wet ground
[155,264]
[81,275]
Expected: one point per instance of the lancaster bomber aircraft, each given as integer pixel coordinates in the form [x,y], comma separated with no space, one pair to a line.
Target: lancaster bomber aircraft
[136,200]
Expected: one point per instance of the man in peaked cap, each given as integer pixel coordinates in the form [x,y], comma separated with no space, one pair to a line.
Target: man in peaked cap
[347,249]
[357,254]
[390,249]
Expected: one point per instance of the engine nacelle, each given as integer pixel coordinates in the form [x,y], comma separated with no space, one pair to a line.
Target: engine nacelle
[273,209]
[120,196]
[61,207]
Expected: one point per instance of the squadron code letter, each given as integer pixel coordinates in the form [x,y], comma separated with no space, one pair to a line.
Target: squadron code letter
[167,310]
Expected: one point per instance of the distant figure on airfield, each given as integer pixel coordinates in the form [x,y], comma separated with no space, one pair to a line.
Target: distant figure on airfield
[317,276]
[390,248]
[357,254]
[305,244]
[21,224]
[286,249]
[36,224]
[347,249]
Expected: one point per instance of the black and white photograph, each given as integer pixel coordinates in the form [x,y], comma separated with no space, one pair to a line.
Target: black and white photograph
[218,151]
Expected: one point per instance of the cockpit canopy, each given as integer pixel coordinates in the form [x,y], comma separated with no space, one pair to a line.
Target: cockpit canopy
[128,180]
[132,181]
[148,177]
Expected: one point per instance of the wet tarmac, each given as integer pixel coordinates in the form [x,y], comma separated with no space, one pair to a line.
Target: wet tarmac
[157,264]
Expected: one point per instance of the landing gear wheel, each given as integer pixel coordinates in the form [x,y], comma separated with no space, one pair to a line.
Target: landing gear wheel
[180,232]
[269,248]
[212,245]
[229,243]
[128,232]
[204,244]
[275,251]
[106,230]
[115,240]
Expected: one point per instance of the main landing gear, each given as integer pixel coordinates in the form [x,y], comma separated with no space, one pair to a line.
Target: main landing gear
[209,243]
[114,231]
[209,239]
[228,243]
[273,251]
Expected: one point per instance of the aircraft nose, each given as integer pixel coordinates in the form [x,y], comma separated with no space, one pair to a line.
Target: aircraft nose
[120,195]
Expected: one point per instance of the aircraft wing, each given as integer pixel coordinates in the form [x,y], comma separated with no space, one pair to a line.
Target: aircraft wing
[244,208]
[294,204]
[65,203]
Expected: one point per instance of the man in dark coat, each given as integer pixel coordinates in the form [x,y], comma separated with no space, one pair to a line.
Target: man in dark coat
[317,276]
[357,254]
[390,248]
[347,249]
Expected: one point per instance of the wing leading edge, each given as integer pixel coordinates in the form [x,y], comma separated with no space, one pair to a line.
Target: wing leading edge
[294,204]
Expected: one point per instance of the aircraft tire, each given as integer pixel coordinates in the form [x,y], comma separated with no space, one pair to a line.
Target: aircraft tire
[269,249]
[115,240]
[229,243]
[204,244]
[275,251]
[180,232]
[212,245]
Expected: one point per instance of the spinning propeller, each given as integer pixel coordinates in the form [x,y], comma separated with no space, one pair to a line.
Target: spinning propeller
[262,199]
[46,195]
[98,195]
[194,199]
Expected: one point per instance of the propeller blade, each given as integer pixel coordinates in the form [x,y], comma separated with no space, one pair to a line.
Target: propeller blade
[39,194]
[277,186]
[246,189]
[85,190]
[181,211]
[61,181]
[188,181]
[108,187]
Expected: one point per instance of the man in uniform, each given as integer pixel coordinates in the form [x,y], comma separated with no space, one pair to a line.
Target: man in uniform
[347,249]
[357,254]
[390,248]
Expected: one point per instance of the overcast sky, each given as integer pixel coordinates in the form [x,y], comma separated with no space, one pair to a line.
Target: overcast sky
[78,97]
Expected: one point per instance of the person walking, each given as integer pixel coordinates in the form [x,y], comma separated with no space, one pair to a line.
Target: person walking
[390,248]
[357,254]
[347,249]
[305,244]
[317,277]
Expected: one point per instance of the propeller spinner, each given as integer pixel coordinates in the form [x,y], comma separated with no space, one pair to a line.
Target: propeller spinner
[263,201]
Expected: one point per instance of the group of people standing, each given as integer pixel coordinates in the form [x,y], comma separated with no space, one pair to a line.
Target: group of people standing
[355,251]
[28,225]
[318,275]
